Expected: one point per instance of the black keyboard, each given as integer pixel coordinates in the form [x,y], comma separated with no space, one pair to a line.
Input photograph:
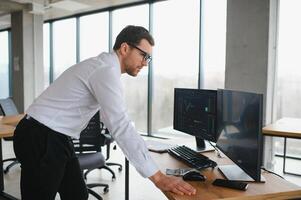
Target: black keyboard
[191,157]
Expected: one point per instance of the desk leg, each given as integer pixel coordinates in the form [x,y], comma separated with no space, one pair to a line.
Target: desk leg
[127,182]
[1,170]
[284,160]
[2,193]
[284,155]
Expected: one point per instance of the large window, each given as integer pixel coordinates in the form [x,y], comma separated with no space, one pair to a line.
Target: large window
[4,64]
[289,70]
[64,45]
[213,43]
[46,43]
[135,88]
[176,56]
[94,34]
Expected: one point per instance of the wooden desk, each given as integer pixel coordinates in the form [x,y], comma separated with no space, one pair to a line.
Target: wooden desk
[11,120]
[274,187]
[7,128]
[8,124]
[286,128]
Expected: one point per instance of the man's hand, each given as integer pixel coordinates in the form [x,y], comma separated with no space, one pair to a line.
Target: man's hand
[172,184]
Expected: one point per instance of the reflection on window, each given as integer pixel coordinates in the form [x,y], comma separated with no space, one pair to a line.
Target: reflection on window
[289,71]
[94,35]
[46,54]
[135,88]
[64,45]
[4,65]
[214,43]
[176,56]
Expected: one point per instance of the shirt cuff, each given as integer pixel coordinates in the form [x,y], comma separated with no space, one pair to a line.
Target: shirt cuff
[148,168]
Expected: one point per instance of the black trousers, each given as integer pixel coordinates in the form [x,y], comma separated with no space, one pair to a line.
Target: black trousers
[48,163]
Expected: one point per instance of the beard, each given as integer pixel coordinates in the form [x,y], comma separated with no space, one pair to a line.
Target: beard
[132,71]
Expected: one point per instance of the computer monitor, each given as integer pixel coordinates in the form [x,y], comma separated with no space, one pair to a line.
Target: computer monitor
[240,137]
[195,114]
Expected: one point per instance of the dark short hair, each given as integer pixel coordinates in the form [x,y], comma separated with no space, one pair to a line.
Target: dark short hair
[133,35]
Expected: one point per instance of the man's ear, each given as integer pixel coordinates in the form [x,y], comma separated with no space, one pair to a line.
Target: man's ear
[124,48]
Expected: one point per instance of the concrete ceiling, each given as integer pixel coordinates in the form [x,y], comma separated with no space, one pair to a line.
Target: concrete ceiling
[52,9]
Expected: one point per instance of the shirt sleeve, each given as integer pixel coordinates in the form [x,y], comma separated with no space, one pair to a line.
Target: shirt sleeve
[105,85]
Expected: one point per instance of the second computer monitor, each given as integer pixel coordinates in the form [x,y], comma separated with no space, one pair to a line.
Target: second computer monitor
[195,114]
[240,138]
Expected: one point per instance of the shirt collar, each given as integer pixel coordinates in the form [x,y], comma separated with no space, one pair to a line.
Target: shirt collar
[115,61]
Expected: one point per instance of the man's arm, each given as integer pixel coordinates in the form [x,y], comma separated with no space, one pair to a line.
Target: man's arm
[172,184]
[105,85]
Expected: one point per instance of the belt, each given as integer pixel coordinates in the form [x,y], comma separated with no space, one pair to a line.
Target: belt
[29,118]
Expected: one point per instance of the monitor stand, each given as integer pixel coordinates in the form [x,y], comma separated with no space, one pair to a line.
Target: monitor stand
[202,145]
[235,173]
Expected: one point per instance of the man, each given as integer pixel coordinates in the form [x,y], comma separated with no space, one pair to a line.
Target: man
[42,140]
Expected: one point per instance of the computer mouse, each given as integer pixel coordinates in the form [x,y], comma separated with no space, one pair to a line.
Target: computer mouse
[193,176]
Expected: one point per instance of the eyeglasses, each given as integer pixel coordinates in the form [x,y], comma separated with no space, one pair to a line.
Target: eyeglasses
[146,56]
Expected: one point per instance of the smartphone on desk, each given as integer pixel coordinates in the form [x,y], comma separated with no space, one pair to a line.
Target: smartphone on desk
[238,185]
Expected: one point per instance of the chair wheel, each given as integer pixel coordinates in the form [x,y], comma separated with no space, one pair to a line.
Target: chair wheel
[5,171]
[106,189]
[120,169]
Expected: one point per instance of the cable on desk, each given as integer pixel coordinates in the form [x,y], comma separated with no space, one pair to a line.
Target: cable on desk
[216,149]
[272,172]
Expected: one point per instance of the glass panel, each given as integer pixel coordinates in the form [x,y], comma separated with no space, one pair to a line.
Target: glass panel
[176,56]
[135,88]
[289,71]
[214,43]
[64,45]
[4,65]
[46,48]
[94,34]
[128,16]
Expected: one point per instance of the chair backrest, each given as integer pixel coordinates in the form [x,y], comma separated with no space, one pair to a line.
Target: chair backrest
[91,138]
[8,107]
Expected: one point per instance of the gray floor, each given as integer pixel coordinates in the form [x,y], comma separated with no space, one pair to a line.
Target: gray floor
[140,188]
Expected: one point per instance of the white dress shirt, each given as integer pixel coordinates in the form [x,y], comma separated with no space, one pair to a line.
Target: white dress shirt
[68,104]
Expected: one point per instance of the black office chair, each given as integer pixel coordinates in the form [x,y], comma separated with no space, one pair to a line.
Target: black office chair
[106,139]
[7,108]
[88,149]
